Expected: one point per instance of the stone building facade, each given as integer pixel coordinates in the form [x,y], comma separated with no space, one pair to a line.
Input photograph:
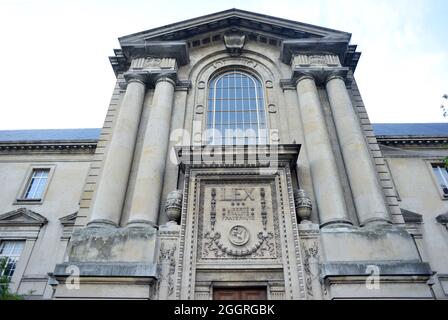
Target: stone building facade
[236,160]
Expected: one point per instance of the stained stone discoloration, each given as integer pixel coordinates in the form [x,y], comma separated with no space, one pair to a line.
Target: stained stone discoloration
[381,242]
[113,245]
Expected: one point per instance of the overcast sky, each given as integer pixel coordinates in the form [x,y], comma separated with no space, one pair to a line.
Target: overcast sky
[55,71]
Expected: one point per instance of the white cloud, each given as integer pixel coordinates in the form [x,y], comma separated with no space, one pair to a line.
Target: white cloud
[55,71]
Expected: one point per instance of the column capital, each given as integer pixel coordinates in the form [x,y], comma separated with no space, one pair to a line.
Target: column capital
[168,77]
[321,75]
[336,75]
[131,76]
[303,76]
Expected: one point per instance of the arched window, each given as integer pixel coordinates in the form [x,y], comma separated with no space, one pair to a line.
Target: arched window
[236,112]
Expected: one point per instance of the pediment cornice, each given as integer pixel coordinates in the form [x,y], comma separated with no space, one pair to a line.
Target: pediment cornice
[175,40]
[69,219]
[22,216]
[286,29]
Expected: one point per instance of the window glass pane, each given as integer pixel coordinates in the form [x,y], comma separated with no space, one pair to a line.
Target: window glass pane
[261,117]
[236,92]
[10,251]
[442,177]
[37,184]
[210,119]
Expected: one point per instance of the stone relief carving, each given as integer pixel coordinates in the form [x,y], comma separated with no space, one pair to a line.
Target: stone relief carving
[173,205]
[310,253]
[197,188]
[310,235]
[234,43]
[240,223]
[201,85]
[303,60]
[153,63]
[166,268]
[272,108]
[200,109]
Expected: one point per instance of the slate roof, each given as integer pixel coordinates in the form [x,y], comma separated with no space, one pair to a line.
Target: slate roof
[49,135]
[381,129]
[410,129]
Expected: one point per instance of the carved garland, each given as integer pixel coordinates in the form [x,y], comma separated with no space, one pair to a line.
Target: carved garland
[265,244]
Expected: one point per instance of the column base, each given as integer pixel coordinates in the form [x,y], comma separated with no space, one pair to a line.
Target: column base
[141,224]
[377,280]
[102,223]
[375,242]
[377,261]
[376,222]
[113,245]
[337,223]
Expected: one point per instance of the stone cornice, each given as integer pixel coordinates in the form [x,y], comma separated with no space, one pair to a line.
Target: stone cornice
[235,18]
[423,141]
[278,153]
[130,52]
[87,146]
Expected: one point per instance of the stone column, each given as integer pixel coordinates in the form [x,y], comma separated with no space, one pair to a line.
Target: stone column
[324,173]
[146,200]
[111,189]
[367,193]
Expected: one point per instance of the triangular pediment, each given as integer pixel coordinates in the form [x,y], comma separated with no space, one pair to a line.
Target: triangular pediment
[244,21]
[22,216]
[411,217]
[68,220]
[442,218]
[177,39]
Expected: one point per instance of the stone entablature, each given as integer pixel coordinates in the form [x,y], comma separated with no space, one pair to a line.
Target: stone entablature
[307,60]
[410,141]
[48,147]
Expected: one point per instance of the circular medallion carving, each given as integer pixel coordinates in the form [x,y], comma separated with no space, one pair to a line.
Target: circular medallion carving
[272,108]
[251,64]
[218,64]
[269,84]
[201,85]
[239,235]
[199,109]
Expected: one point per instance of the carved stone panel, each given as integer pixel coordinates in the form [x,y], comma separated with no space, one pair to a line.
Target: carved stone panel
[238,220]
[307,60]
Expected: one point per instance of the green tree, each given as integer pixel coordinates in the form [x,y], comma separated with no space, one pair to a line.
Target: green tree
[5,293]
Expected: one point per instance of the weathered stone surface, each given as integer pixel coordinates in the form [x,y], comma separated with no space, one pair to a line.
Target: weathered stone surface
[378,242]
[396,268]
[105,245]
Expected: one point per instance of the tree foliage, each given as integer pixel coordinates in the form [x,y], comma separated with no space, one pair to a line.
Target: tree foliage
[5,292]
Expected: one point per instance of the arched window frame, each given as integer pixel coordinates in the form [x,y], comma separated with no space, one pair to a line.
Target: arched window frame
[260,102]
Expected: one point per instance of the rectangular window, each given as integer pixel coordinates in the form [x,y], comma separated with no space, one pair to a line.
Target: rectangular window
[36,185]
[441,174]
[10,252]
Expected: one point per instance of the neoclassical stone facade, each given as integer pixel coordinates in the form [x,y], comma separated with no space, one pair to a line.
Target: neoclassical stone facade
[236,160]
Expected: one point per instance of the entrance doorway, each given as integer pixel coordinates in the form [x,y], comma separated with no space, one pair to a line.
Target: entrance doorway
[239,293]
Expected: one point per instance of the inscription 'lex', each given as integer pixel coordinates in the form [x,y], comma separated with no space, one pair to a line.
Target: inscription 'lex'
[237,194]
